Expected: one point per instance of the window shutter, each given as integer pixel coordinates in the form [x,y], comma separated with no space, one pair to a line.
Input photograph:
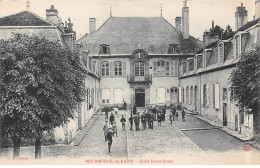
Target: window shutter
[111,69]
[124,69]
[217,99]
[201,95]
[180,96]
[207,86]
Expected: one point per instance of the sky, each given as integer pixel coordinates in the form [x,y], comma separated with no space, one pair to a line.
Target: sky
[201,14]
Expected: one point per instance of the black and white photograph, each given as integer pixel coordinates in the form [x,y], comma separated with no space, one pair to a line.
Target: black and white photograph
[129,82]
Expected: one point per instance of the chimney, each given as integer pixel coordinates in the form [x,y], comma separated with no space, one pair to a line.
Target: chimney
[213,25]
[257,9]
[241,16]
[27,5]
[52,16]
[178,23]
[92,25]
[185,20]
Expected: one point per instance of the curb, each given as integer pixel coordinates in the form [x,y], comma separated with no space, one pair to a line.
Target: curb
[86,129]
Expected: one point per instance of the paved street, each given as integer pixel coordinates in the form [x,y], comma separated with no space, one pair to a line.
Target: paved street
[165,139]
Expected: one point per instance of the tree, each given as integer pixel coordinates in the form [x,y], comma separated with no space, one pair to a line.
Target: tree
[42,84]
[245,80]
[228,33]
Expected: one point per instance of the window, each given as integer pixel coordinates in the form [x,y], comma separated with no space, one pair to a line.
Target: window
[199,61]
[87,98]
[191,64]
[104,49]
[161,95]
[221,58]
[167,68]
[105,96]
[118,68]
[118,96]
[154,69]
[216,96]
[92,99]
[205,95]
[184,67]
[238,46]
[232,97]
[104,69]
[174,68]
[173,48]
[139,68]
[191,94]
[224,93]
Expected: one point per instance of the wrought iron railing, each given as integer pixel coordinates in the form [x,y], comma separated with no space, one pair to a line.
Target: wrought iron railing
[139,79]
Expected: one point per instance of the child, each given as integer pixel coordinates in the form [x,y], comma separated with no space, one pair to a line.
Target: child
[114,127]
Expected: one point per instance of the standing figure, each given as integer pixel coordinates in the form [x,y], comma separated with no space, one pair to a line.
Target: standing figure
[177,115]
[143,120]
[125,105]
[151,119]
[171,117]
[183,115]
[114,127]
[134,109]
[111,118]
[131,118]
[105,129]
[123,120]
[163,114]
[154,111]
[110,139]
[159,118]
[137,121]
[106,109]
[116,111]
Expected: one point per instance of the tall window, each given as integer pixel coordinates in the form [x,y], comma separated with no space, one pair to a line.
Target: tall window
[92,98]
[87,98]
[205,95]
[160,68]
[199,61]
[154,69]
[184,67]
[139,68]
[118,93]
[174,68]
[167,68]
[105,96]
[118,68]
[238,49]
[104,69]
[224,93]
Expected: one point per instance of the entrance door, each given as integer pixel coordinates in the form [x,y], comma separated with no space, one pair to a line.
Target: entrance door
[224,114]
[140,97]
[195,101]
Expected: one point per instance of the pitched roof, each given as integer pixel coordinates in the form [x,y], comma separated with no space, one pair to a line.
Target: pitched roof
[124,34]
[24,18]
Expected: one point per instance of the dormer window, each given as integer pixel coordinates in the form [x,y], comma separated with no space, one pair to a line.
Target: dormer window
[191,64]
[104,49]
[221,56]
[173,48]
[184,67]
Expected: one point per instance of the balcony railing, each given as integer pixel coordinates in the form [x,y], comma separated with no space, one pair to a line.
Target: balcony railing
[147,78]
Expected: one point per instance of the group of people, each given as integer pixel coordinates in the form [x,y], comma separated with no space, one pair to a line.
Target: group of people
[146,119]
[111,131]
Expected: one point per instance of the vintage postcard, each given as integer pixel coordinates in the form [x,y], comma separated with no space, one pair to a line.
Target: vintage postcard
[129,82]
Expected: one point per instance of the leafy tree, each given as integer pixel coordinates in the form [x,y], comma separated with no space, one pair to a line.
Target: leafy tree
[228,33]
[245,80]
[42,84]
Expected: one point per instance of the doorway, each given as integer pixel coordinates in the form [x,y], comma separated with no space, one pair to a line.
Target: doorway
[140,97]
[224,114]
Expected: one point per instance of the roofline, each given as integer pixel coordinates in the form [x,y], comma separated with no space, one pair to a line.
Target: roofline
[39,17]
[28,27]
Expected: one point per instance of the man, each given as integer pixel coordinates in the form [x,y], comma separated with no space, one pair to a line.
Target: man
[105,129]
[110,139]
[134,109]
[154,111]
[131,122]
[183,115]
[143,120]
[112,119]
[137,121]
[125,105]
[106,109]
[123,120]
[151,118]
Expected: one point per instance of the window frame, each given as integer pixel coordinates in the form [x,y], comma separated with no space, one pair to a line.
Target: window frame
[105,69]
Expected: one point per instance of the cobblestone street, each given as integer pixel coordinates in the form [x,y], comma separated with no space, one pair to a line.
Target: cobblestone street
[166,139]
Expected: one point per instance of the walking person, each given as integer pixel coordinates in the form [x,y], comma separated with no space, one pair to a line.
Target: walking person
[110,139]
[183,115]
[123,120]
[131,120]
[105,129]
[114,127]
[111,118]
[143,120]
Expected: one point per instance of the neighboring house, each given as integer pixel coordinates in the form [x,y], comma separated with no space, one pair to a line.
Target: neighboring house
[27,22]
[138,58]
[204,79]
